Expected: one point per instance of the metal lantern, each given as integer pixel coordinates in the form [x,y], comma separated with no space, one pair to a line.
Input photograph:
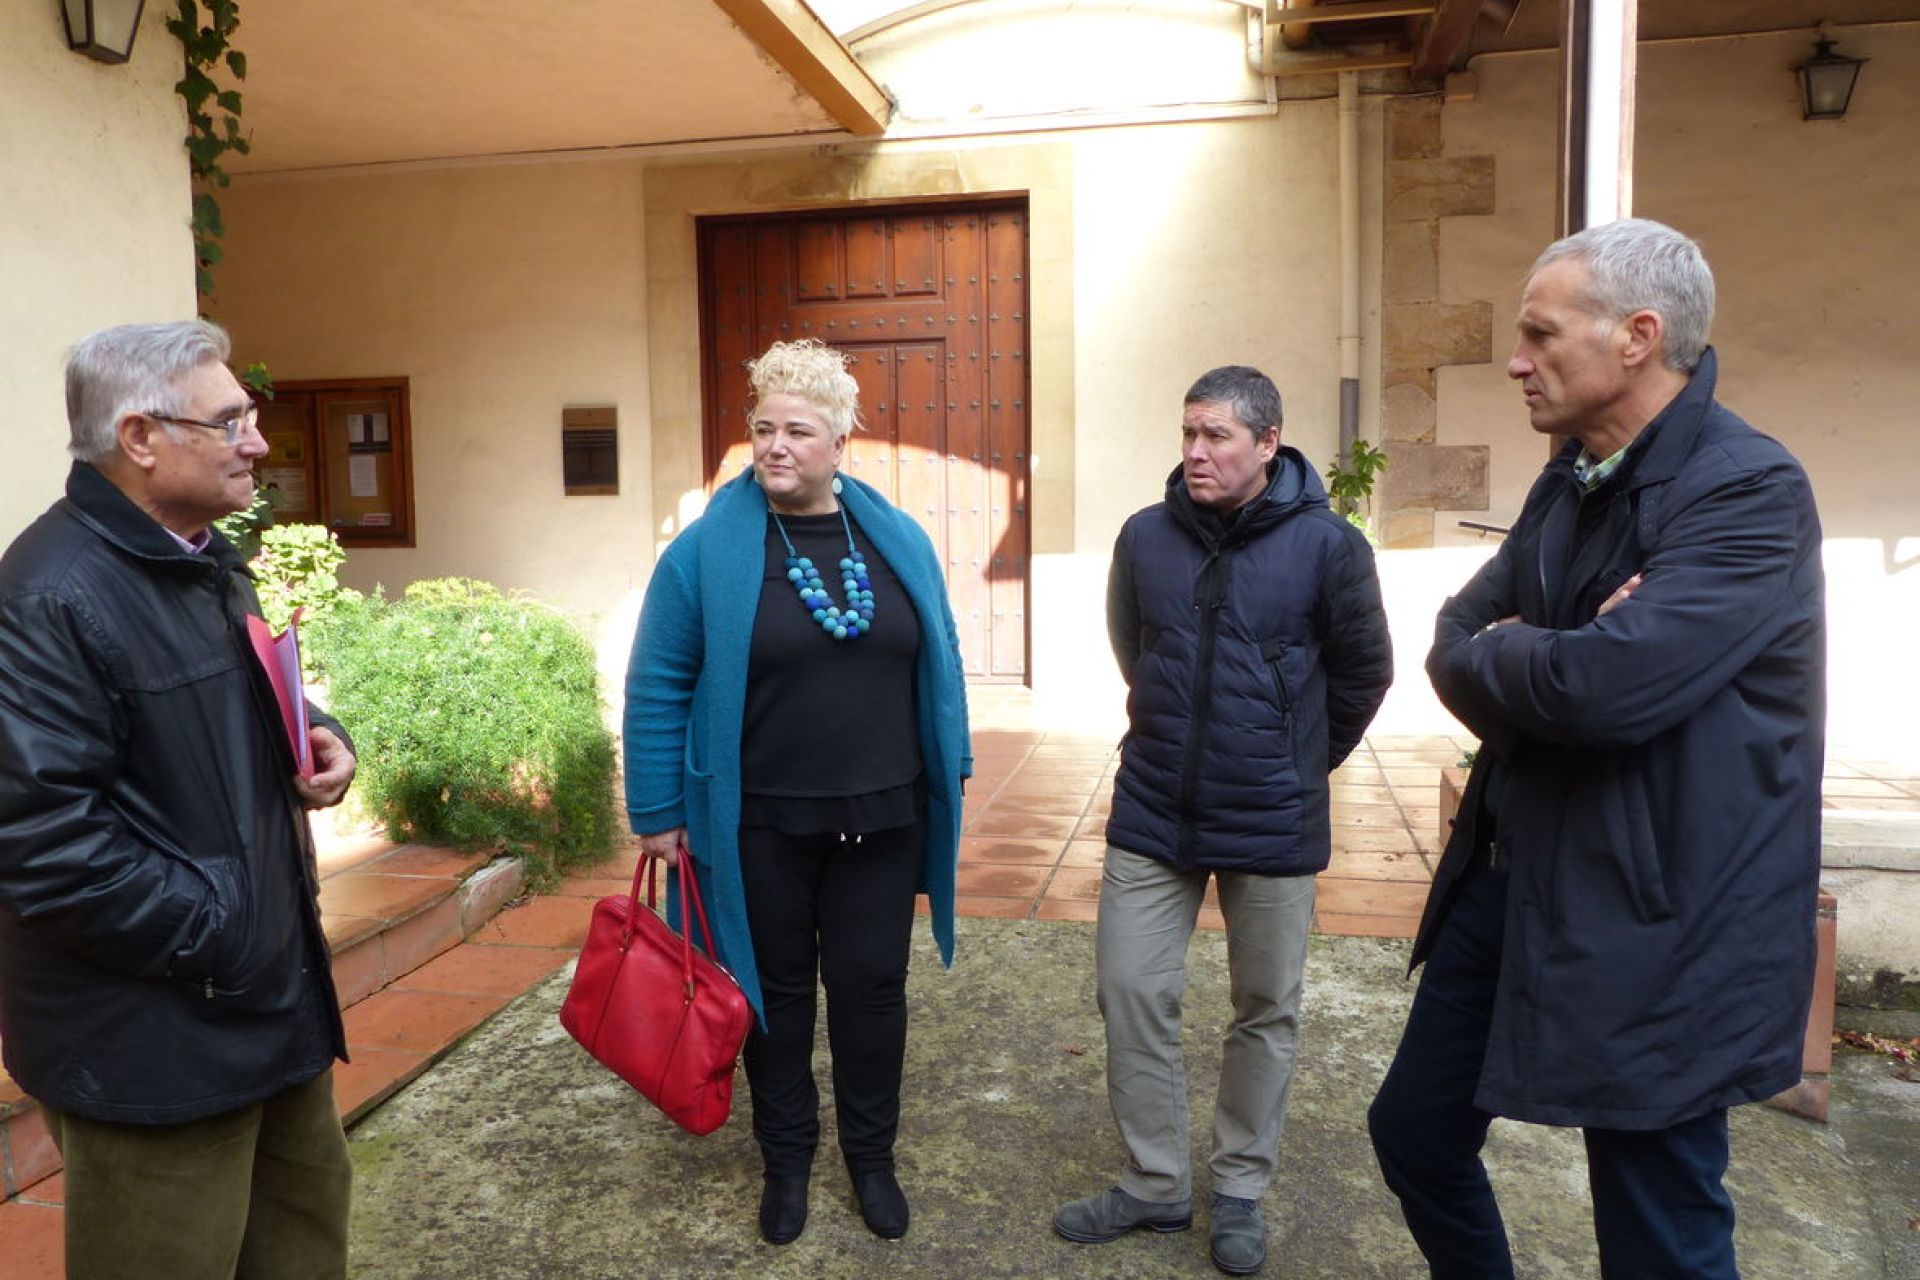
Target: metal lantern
[1826,82]
[103,29]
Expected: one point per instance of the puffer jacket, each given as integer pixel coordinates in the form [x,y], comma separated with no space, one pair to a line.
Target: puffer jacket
[161,957]
[1255,652]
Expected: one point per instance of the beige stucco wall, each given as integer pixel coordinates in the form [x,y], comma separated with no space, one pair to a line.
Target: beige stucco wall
[1810,228]
[504,294]
[94,206]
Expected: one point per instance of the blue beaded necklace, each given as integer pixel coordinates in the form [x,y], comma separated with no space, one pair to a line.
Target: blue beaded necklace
[856,618]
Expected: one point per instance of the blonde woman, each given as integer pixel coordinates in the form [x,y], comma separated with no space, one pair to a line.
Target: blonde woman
[796,715]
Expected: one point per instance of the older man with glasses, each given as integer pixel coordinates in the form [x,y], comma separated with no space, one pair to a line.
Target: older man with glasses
[164,983]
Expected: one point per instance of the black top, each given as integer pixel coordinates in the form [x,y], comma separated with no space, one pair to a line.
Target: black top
[830,740]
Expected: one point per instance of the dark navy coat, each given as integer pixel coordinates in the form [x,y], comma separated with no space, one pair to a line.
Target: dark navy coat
[1658,793]
[1255,652]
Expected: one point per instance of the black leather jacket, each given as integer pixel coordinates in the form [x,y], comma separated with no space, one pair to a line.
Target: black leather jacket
[161,956]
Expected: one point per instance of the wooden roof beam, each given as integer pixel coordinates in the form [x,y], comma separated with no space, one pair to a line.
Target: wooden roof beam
[805,49]
[1445,36]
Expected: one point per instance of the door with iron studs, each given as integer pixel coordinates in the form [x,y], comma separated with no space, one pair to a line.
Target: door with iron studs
[930,304]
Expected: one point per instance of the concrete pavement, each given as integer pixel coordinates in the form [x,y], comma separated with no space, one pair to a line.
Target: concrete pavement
[518,1156]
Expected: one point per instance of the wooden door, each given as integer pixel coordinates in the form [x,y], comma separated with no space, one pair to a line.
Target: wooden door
[930,303]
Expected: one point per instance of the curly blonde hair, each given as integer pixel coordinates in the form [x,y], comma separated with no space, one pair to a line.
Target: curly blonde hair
[813,371]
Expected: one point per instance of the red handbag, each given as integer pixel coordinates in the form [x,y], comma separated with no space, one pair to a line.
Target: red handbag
[667,1019]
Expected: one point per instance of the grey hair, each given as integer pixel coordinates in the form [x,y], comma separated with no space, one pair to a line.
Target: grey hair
[1637,264]
[815,372]
[1250,393]
[133,368]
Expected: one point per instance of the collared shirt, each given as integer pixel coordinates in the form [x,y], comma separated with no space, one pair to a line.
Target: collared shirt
[1592,474]
[196,546]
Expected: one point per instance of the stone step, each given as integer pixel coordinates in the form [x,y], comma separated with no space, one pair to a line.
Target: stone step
[387,910]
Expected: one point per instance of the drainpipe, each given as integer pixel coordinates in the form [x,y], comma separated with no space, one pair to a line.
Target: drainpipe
[1349,264]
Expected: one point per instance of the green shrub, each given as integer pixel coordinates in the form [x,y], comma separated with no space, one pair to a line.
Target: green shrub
[478,722]
[295,568]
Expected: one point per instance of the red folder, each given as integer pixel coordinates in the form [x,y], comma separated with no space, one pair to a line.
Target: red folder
[280,657]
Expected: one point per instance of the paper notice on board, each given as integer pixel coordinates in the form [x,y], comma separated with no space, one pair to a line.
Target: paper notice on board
[363,476]
[368,429]
[290,481]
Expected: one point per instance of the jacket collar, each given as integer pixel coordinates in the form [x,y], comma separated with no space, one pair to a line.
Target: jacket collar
[101,505]
[1292,486]
[1670,437]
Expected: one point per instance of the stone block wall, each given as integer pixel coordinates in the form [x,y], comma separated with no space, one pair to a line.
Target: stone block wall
[1420,331]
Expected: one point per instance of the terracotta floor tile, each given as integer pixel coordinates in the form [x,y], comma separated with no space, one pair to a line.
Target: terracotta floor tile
[1025,826]
[47,1191]
[619,867]
[1369,864]
[345,931]
[360,893]
[1091,827]
[1210,918]
[1004,850]
[1077,787]
[992,908]
[416,1021]
[427,860]
[1075,882]
[583,887]
[506,971]
[1001,882]
[1068,909]
[1836,787]
[372,1077]
[1101,805]
[1374,839]
[32,1240]
[1339,895]
[10,1092]
[1879,804]
[539,922]
[31,1155]
[1365,926]
[1084,853]
[1356,793]
[359,970]
[1056,804]
[1367,815]
[1433,758]
[1416,775]
[335,854]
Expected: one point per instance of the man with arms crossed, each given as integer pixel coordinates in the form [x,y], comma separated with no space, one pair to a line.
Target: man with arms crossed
[1620,935]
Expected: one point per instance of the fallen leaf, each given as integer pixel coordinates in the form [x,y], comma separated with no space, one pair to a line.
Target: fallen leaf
[1074,1049]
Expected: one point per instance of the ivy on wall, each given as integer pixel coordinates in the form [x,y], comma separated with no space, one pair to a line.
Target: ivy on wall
[205,30]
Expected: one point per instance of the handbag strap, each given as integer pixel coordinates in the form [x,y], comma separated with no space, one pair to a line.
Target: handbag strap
[690,895]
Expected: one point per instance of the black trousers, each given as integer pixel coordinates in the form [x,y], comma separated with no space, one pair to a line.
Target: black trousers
[1659,1209]
[834,910]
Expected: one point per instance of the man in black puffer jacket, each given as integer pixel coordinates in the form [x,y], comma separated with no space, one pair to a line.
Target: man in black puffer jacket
[1246,618]
[164,983]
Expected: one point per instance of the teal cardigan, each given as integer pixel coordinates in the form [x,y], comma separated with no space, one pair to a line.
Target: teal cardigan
[687,693]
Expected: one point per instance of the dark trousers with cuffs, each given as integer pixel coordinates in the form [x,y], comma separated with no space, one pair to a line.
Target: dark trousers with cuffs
[1659,1209]
[834,911]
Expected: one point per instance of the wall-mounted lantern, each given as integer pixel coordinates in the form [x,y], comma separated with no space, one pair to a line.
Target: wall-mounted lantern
[102,29]
[1826,81]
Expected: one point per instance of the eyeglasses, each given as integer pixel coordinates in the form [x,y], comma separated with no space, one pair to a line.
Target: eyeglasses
[234,427]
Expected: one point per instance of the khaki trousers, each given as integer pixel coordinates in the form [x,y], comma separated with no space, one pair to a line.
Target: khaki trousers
[255,1194]
[1147,914]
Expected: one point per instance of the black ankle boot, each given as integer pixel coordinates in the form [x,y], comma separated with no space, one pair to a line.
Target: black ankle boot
[883,1205]
[783,1208]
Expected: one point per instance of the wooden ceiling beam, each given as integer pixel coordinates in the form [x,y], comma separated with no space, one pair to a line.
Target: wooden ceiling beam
[1445,36]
